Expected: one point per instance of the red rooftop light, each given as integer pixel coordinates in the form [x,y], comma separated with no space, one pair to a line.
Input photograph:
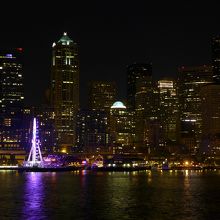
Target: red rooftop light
[19,49]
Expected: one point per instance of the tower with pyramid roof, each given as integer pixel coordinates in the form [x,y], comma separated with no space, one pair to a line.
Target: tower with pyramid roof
[65,90]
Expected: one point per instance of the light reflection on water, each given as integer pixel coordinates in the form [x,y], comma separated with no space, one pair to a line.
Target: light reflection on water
[34,194]
[110,195]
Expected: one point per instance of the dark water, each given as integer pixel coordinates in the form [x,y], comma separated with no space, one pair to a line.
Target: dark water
[85,195]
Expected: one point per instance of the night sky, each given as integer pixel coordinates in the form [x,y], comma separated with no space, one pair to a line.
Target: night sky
[110,37]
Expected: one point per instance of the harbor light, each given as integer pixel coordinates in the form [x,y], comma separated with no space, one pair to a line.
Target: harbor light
[186,163]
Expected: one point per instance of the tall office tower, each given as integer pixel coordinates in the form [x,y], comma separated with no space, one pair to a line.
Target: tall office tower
[216,59]
[152,127]
[92,131]
[11,99]
[190,82]
[210,95]
[101,95]
[122,127]
[65,90]
[169,114]
[142,96]
[135,74]
[143,111]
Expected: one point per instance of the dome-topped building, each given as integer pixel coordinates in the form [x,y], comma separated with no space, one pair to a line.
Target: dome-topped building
[118,104]
[121,128]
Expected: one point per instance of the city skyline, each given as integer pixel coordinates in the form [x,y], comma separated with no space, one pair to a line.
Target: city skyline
[110,110]
[111,38]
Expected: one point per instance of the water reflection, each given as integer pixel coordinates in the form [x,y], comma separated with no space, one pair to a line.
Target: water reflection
[112,195]
[33,197]
[186,173]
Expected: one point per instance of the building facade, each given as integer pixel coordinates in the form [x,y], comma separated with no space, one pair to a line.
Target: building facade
[11,99]
[143,97]
[122,129]
[190,82]
[65,90]
[93,131]
[136,73]
[169,110]
[46,127]
[101,95]
[210,95]
[215,46]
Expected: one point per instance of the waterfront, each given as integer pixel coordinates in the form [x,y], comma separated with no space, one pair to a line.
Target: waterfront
[110,195]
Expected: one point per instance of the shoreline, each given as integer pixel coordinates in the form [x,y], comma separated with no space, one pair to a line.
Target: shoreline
[103,169]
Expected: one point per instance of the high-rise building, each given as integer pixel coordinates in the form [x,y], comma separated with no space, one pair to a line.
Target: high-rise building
[92,131]
[169,114]
[216,58]
[122,128]
[190,82]
[65,90]
[11,99]
[144,111]
[101,95]
[137,74]
[211,109]
[210,95]
[143,97]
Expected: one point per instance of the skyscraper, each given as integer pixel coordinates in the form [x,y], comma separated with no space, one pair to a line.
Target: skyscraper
[216,58]
[11,98]
[190,82]
[142,96]
[101,95]
[169,114]
[137,74]
[65,89]
[92,131]
[210,95]
[143,110]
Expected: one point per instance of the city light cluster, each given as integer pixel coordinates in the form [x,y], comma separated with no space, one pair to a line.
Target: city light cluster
[178,119]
